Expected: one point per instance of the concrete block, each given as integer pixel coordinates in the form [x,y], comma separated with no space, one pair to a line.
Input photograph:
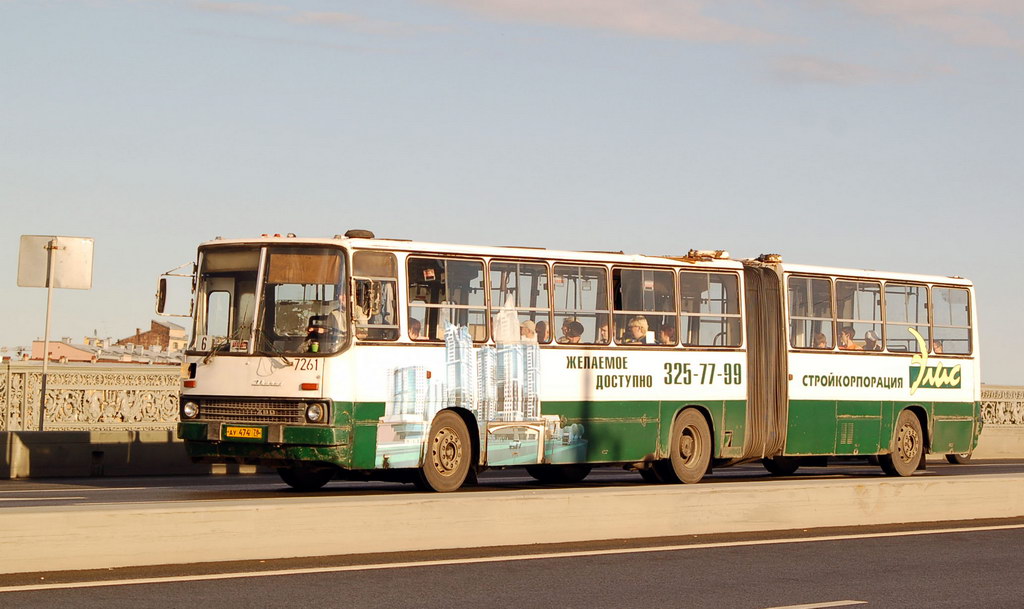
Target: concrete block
[72,454]
[92,537]
[1000,442]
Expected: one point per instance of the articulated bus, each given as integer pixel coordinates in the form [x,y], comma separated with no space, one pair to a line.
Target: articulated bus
[362,358]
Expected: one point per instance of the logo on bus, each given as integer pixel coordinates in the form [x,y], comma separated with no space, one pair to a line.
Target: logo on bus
[930,377]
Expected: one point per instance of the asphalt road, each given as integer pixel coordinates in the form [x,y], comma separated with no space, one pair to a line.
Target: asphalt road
[100,491]
[932,566]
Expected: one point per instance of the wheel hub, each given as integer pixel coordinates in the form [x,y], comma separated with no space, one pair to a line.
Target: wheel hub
[907,443]
[687,444]
[446,451]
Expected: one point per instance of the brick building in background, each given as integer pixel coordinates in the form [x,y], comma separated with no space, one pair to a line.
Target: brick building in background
[170,337]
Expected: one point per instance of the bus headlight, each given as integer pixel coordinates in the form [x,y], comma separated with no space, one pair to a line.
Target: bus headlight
[190,410]
[315,413]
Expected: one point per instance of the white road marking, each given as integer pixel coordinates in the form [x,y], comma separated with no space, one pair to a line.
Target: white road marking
[77,489]
[39,498]
[822,605]
[490,559]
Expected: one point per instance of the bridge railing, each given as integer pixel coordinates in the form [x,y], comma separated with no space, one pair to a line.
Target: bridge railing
[89,397]
[145,397]
[1002,405]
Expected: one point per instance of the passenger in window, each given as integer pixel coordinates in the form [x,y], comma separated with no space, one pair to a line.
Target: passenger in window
[871,341]
[936,346]
[414,328]
[572,332]
[602,332]
[542,331]
[565,327]
[667,335]
[528,331]
[636,331]
[820,341]
[846,340]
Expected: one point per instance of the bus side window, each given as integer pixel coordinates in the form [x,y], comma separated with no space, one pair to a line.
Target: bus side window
[811,325]
[447,292]
[581,304]
[645,306]
[522,287]
[906,317]
[709,309]
[951,325]
[859,310]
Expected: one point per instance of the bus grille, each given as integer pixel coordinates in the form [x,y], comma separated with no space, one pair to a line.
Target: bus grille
[253,412]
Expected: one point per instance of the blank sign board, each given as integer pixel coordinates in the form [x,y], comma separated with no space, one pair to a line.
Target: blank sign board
[72,261]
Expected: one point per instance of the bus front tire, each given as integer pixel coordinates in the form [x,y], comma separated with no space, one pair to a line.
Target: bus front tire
[305,478]
[448,459]
[690,452]
[567,473]
[907,447]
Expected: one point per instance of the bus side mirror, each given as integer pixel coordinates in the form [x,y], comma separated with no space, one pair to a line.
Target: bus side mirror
[161,296]
[180,290]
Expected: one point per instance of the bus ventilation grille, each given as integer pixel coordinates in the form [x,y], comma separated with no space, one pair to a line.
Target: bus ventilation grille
[253,412]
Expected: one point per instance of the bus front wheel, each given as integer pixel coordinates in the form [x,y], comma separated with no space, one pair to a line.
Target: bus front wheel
[449,454]
[907,447]
[305,478]
[690,452]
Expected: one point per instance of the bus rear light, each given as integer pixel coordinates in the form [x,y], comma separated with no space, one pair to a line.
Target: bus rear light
[189,384]
[309,386]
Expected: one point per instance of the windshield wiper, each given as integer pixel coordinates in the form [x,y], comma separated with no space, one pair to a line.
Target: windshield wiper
[215,348]
[263,340]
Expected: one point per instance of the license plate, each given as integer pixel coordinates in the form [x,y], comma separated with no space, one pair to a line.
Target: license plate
[244,433]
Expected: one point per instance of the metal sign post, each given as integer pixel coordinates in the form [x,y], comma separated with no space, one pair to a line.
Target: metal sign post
[53,262]
[51,248]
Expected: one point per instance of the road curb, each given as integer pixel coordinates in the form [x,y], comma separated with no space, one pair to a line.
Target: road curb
[36,539]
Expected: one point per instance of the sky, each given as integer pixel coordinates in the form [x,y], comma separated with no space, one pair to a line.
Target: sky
[881,134]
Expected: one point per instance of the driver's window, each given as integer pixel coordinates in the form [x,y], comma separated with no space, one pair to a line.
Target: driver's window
[375,285]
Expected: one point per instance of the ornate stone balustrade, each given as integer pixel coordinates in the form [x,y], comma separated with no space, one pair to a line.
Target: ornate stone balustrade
[145,397]
[1002,405]
[89,396]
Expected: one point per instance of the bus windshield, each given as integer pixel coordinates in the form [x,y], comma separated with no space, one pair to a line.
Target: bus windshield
[301,306]
[303,309]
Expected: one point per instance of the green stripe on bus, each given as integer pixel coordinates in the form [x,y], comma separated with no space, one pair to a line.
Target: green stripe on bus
[842,427]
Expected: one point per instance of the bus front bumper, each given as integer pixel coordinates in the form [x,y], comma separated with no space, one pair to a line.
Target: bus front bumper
[267,444]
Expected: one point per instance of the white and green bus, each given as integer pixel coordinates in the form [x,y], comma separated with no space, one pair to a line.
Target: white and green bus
[362,358]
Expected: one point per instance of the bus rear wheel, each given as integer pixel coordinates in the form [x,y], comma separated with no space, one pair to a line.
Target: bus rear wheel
[959,458]
[690,452]
[781,466]
[907,447]
[559,474]
[449,454]
[650,475]
[306,478]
